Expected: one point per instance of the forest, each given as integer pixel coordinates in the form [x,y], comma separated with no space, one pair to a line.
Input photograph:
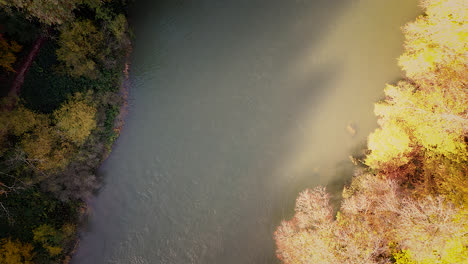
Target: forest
[58,121]
[407,202]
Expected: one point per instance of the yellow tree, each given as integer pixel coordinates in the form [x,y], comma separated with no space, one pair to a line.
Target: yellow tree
[45,150]
[424,125]
[15,252]
[436,47]
[76,118]
[431,119]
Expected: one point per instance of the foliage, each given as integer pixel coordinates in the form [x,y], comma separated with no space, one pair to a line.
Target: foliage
[389,146]
[15,252]
[80,46]
[61,128]
[76,118]
[49,238]
[432,116]
[20,120]
[7,53]
[49,12]
[436,43]
[409,205]
[45,89]
[377,214]
[46,150]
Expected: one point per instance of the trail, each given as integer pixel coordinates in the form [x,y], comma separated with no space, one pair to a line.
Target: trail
[21,73]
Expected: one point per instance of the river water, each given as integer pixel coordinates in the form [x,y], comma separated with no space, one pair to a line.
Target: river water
[236,106]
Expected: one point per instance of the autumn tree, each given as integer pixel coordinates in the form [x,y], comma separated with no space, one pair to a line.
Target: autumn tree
[45,150]
[409,206]
[76,118]
[7,53]
[378,220]
[15,252]
[48,142]
[422,137]
[436,44]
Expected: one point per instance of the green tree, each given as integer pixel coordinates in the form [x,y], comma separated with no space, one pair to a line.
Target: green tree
[20,120]
[80,48]
[50,238]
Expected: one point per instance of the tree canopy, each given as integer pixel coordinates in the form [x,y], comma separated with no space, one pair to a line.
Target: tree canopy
[409,205]
[76,118]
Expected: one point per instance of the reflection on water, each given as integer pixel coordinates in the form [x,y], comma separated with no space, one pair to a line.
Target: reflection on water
[236,107]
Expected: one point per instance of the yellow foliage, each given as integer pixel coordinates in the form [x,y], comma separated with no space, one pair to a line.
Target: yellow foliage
[403,257]
[76,119]
[39,144]
[423,120]
[45,149]
[437,41]
[428,124]
[389,144]
[454,251]
[15,252]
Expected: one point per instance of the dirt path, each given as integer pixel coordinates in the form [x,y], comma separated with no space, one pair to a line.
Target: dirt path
[19,78]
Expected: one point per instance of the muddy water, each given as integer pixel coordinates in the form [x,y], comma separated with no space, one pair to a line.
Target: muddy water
[236,106]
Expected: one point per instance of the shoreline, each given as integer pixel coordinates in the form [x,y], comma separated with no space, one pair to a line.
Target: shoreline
[119,122]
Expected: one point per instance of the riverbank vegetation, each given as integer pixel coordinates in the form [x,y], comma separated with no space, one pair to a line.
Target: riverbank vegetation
[408,202]
[57,120]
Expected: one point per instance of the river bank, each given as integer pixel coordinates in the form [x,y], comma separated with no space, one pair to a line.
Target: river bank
[63,126]
[119,122]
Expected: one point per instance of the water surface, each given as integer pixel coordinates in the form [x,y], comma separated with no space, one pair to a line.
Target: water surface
[236,106]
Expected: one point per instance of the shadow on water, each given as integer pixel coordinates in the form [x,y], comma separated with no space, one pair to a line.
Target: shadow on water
[193,178]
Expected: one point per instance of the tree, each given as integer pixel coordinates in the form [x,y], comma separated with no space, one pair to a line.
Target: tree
[49,238]
[378,220]
[426,126]
[49,12]
[7,53]
[76,118]
[45,150]
[20,120]
[409,205]
[80,48]
[15,252]
[432,116]
[390,147]
[436,43]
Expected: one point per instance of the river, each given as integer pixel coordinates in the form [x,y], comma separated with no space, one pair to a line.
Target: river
[235,107]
